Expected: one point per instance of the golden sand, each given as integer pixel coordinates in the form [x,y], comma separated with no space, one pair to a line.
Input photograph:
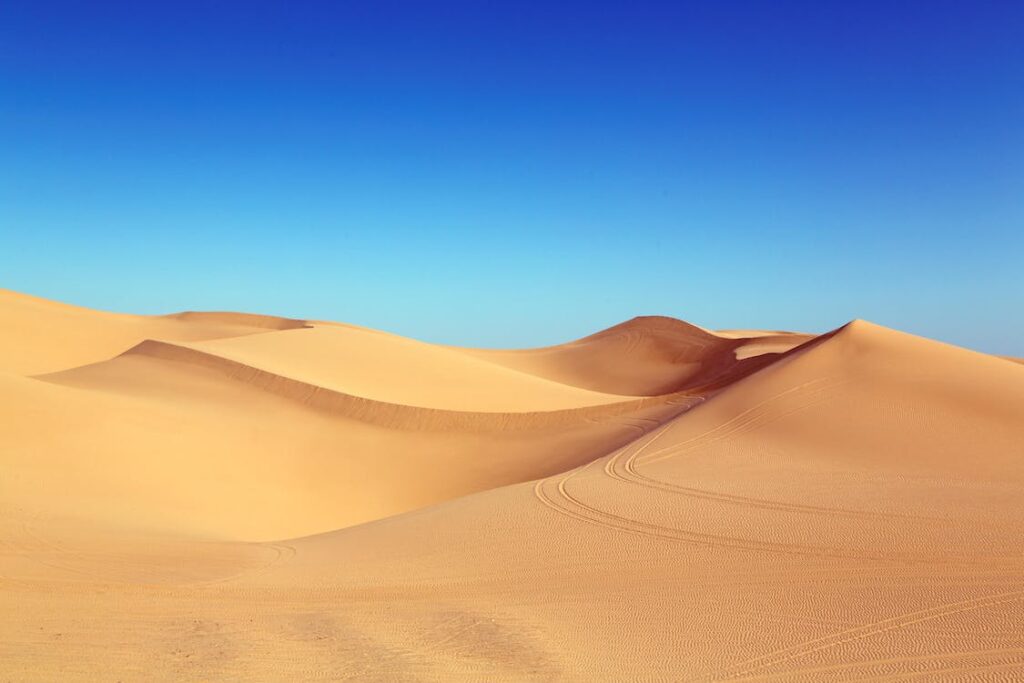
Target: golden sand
[231,497]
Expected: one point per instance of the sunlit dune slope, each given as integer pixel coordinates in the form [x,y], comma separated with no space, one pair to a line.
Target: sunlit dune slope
[46,336]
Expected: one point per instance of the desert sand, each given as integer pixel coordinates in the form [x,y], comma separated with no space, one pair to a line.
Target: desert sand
[237,497]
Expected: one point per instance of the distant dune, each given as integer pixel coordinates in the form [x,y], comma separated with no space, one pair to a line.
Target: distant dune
[238,497]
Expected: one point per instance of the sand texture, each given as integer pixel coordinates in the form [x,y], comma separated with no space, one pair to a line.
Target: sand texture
[236,497]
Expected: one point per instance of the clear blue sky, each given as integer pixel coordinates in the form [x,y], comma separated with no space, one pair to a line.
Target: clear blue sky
[521,173]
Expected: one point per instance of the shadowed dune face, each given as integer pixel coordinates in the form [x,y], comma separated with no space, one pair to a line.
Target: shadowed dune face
[655,502]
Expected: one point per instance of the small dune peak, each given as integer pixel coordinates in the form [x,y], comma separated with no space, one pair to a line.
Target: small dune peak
[657,325]
[861,326]
[144,347]
[659,322]
[863,331]
[254,320]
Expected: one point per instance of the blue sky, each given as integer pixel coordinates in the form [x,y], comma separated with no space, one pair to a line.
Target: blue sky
[521,173]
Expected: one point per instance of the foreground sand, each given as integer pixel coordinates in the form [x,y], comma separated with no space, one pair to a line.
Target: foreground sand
[247,498]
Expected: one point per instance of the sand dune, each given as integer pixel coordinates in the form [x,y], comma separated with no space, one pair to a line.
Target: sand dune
[249,437]
[46,336]
[646,356]
[230,451]
[221,497]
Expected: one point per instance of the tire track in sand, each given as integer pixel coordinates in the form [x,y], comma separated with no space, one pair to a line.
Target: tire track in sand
[624,464]
[749,668]
[562,501]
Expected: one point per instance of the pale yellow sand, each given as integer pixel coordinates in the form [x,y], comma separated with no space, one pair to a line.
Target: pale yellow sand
[183,509]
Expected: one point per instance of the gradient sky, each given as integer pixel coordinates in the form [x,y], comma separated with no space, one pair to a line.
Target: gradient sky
[521,173]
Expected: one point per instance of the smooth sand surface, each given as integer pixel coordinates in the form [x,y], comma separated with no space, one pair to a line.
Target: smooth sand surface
[226,497]
[389,368]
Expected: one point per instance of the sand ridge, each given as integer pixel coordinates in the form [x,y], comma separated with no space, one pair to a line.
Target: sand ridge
[243,497]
